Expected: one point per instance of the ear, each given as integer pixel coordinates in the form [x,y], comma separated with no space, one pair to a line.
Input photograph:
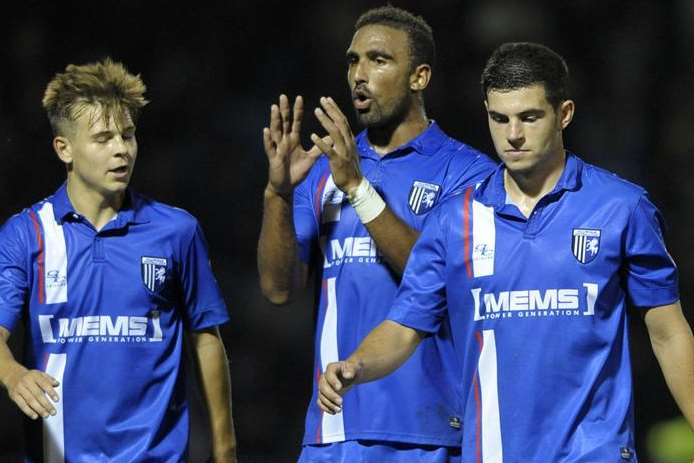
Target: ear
[566,113]
[420,77]
[63,148]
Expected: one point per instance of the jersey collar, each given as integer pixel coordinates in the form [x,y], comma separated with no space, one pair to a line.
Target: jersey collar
[426,143]
[131,211]
[492,192]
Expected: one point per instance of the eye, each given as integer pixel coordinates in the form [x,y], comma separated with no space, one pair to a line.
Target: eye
[380,61]
[498,118]
[530,119]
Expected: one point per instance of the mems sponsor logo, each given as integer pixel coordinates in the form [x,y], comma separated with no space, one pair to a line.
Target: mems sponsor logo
[554,302]
[359,249]
[101,328]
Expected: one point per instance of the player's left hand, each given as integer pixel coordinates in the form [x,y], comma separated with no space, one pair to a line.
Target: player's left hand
[342,155]
[337,379]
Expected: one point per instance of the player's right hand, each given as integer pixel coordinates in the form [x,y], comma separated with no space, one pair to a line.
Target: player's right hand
[30,390]
[289,161]
[337,379]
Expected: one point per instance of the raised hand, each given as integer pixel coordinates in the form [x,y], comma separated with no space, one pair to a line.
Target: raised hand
[289,161]
[337,379]
[343,154]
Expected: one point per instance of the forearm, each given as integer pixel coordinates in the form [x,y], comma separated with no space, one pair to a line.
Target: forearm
[384,350]
[675,355]
[277,249]
[215,382]
[393,237]
[8,364]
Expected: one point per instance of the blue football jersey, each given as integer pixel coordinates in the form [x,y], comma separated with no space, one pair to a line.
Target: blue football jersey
[538,311]
[104,314]
[419,403]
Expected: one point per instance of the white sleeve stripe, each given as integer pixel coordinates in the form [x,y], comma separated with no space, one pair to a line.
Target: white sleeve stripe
[332,426]
[53,430]
[55,263]
[492,449]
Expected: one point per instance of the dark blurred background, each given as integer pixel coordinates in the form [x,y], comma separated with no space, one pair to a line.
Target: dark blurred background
[212,71]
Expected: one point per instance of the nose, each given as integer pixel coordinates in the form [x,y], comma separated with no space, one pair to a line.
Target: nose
[359,74]
[120,146]
[515,135]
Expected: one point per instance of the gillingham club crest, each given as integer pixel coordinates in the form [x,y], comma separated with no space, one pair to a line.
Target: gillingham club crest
[423,197]
[153,272]
[585,244]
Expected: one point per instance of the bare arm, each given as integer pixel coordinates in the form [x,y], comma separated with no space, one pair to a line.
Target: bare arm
[27,388]
[393,237]
[215,382]
[380,353]
[281,272]
[673,345]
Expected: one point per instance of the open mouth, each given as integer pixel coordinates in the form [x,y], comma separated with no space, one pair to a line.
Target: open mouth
[120,171]
[362,100]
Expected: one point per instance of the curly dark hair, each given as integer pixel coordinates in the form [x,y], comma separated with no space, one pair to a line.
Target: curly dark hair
[419,33]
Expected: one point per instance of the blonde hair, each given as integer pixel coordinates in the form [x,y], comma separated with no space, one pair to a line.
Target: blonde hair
[106,83]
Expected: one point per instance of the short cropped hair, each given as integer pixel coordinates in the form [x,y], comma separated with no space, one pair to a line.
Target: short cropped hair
[419,33]
[522,64]
[105,83]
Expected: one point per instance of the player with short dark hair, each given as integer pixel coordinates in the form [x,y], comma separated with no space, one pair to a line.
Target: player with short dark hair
[106,282]
[355,214]
[535,268]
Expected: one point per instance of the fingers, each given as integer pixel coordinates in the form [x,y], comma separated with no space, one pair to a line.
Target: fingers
[275,124]
[32,392]
[268,144]
[23,406]
[325,145]
[284,113]
[298,115]
[329,127]
[47,383]
[333,111]
[329,386]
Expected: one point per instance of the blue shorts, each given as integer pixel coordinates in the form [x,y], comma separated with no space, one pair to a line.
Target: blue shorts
[355,451]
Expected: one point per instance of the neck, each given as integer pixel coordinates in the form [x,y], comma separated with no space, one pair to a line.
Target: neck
[526,188]
[388,138]
[97,208]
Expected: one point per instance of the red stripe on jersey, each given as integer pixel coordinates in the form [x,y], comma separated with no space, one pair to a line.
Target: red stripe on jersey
[39,258]
[318,196]
[478,405]
[466,232]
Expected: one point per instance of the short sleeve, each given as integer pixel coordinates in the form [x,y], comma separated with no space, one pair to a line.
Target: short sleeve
[204,305]
[420,302]
[305,225]
[650,272]
[14,275]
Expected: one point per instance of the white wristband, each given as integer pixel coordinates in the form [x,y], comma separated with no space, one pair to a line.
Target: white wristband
[366,201]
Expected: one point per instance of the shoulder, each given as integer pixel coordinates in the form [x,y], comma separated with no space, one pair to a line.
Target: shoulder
[19,225]
[165,216]
[603,183]
[463,154]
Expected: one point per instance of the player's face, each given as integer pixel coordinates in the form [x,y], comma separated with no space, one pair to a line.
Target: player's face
[525,128]
[101,152]
[378,73]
